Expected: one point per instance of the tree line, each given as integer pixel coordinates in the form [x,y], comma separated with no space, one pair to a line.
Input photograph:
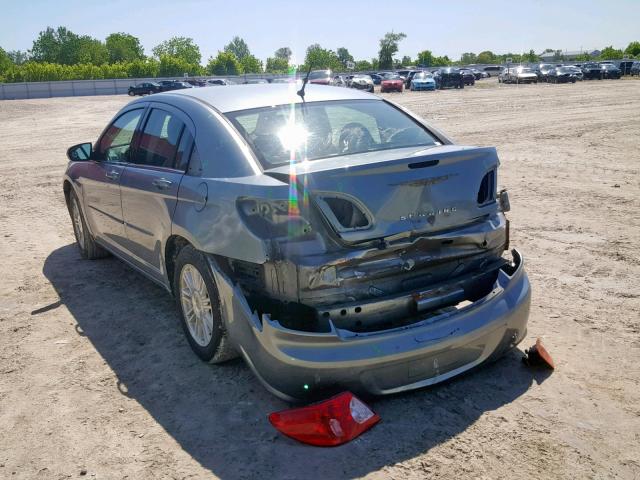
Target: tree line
[60,54]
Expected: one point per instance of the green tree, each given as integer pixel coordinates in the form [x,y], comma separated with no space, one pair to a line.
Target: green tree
[388,48]
[633,49]
[344,56]
[225,63]
[180,47]
[123,47]
[406,61]
[610,53]
[18,57]
[363,65]
[441,61]
[531,56]
[486,57]
[277,65]
[146,68]
[63,46]
[425,58]
[320,58]
[49,44]
[238,47]
[5,61]
[283,53]
[173,66]
[468,57]
[251,64]
[89,50]
[583,57]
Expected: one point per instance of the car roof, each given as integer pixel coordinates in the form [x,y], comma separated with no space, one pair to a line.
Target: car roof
[244,97]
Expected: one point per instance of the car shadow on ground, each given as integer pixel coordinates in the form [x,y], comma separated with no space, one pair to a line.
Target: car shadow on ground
[218,414]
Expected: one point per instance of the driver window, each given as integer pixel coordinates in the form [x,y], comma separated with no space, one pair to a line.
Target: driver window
[116,142]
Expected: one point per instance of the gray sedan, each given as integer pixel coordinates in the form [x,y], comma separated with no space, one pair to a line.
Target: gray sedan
[332,239]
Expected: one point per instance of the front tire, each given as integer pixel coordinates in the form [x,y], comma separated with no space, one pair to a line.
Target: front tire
[88,247]
[198,305]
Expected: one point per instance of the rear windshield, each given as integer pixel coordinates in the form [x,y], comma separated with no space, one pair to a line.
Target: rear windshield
[315,130]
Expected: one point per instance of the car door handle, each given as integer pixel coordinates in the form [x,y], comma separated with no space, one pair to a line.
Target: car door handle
[113,174]
[162,183]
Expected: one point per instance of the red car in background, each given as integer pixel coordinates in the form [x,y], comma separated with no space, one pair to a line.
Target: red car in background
[392,82]
[320,77]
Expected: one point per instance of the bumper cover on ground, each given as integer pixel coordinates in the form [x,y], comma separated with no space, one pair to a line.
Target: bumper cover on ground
[297,365]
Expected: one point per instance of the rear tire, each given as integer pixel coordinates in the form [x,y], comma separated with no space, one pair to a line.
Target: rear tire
[131,94]
[88,247]
[198,306]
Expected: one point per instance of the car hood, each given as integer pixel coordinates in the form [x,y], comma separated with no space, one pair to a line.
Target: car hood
[403,191]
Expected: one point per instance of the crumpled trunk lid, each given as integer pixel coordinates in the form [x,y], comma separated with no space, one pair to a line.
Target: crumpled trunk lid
[399,192]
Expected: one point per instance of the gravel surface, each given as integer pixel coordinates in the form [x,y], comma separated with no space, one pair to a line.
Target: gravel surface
[97,379]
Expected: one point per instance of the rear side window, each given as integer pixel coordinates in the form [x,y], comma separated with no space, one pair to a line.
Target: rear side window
[115,144]
[159,140]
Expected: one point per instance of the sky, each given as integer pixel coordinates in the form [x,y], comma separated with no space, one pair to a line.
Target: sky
[444,27]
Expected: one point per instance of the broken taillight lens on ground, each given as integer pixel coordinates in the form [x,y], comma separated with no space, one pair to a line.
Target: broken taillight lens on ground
[537,356]
[328,423]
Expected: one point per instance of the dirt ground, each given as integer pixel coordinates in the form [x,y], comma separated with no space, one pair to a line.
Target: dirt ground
[97,379]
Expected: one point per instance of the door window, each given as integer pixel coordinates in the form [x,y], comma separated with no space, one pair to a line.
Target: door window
[115,144]
[159,140]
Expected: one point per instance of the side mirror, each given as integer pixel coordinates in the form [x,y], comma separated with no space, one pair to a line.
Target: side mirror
[80,152]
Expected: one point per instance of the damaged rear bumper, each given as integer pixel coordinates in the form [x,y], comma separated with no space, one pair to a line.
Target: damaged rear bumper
[296,365]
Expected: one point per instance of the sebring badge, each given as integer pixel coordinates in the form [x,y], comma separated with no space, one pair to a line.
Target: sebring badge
[430,215]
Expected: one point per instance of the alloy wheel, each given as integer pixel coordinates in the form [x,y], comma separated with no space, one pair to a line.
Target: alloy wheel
[196,305]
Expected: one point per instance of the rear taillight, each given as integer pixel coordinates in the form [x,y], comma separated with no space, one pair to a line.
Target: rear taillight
[328,423]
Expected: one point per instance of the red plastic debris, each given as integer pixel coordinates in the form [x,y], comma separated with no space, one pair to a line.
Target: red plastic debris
[537,355]
[329,423]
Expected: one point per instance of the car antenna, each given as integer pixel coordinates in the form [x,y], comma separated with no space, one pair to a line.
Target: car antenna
[304,84]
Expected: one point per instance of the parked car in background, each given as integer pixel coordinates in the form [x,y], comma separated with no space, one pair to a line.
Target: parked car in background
[609,70]
[478,74]
[284,80]
[395,272]
[625,66]
[492,70]
[376,78]
[467,76]
[144,88]
[517,75]
[592,71]
[256,81]
[362,82]
[542,71]
[338,81]
[635,69]
[219,81]
[448,77]
[404,74]
[423,81]
[576,72]
[407,82]
[561,75]
[195,82]
[392,82]
[167,85]
[320,77]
